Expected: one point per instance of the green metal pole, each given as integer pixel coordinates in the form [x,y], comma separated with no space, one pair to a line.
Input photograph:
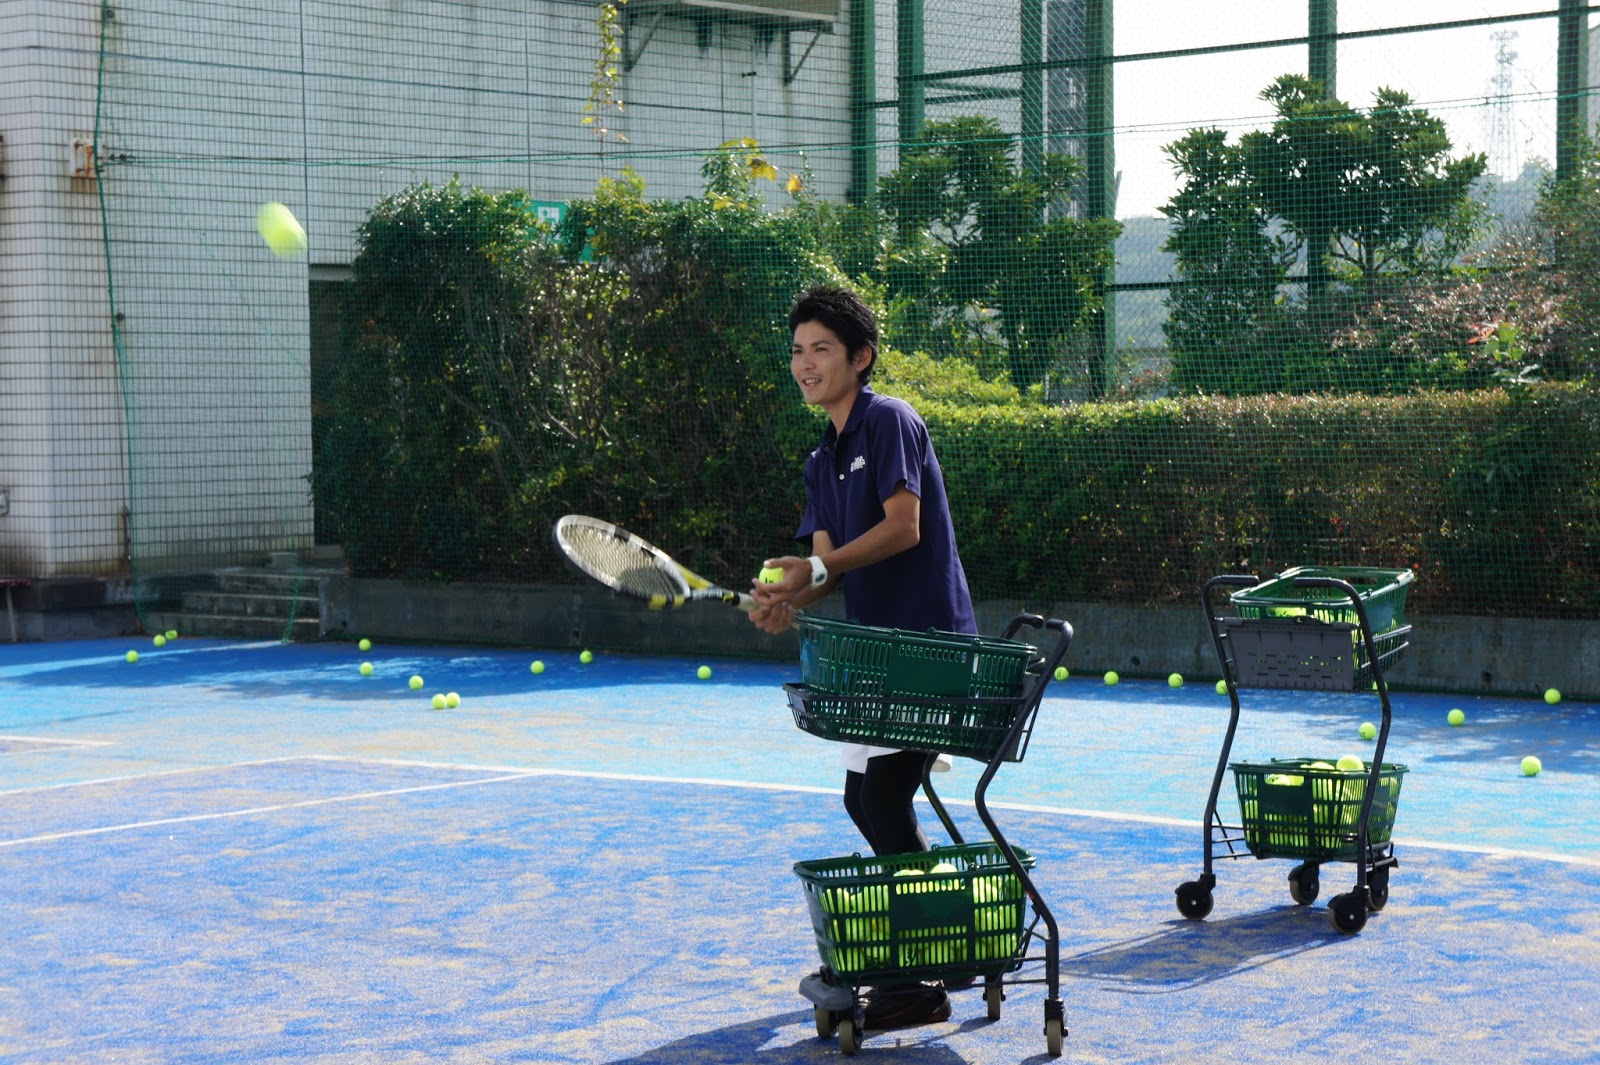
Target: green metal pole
[1323,65]
[1101,158]
[863,93]
[909,66]
[1031,24]
[1572,75]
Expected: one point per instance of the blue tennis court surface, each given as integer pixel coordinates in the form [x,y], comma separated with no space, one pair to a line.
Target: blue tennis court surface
[231,852]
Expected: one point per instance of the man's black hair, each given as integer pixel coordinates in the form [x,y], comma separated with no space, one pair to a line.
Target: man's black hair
[844,313]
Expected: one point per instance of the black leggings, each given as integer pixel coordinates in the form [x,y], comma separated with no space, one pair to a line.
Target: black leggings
[879,801]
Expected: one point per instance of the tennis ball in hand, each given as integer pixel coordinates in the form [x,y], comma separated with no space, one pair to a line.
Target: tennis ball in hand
[1350,763]
[1111,676]
[160,640]
[1174,680]
[452,700]
[537,667]
[770,574]
[415,682]
[365,644]
[1367,730]
[1552,696]
[366,669]
[1061,673]
[440,702]
[1456,717]
[704,672]
[280,229]
[585,657]
[131,656]
[1531,766]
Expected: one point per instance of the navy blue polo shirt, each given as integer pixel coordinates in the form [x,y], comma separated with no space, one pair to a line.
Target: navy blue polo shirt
[884,445]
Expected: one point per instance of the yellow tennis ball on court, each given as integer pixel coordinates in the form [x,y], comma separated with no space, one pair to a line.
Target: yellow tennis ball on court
[415,682]
[537,667]
[1367,730]
[365,644]
[1174,680]
[280,229]
[586,657]
[1222,687]
[1350,763]
[131,656]
[1552,696]
[1061,673]
[1111,676]
[160,640]
[366,669]
[1531,766]
[1456,717]
[770,574]
[440,702]
[452,699]
[704,672]
[172,634]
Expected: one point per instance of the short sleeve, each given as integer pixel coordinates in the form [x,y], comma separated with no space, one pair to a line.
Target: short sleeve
[899,449]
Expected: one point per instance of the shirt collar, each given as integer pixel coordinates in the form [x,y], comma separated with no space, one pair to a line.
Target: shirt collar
[858,413]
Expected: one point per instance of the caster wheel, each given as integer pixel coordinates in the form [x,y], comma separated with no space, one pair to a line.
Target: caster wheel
[1303,883]
[992,997]
[827,1023]
[1194,900]
[1378,888]
[1349,912]
[849,1038]
[1055,1031]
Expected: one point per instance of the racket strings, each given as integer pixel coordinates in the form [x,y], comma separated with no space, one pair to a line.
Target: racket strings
[629,568]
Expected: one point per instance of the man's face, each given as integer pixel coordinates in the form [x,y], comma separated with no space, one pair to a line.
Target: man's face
[821,365]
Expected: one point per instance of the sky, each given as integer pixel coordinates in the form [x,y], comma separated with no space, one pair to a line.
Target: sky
[1450,71]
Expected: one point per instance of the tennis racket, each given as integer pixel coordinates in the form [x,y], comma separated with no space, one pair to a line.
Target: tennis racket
[633,567]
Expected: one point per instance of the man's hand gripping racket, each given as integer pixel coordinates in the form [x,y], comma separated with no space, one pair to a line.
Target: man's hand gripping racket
[636,568]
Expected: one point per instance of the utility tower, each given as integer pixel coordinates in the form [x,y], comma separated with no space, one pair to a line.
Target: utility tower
[1502,139]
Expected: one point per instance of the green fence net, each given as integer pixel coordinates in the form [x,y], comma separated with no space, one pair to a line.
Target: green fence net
[1172,306]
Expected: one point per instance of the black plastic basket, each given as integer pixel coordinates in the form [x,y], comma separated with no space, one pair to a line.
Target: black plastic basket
[876,916]
[1291,809]
[1303,652]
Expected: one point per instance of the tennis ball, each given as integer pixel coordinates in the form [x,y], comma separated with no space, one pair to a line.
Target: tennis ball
[131,656]
[770,574]
[366,669]
[1552,696]
[1222,687]
[944,867]
[1320,765]
[1456,717]
[537,667]
[280,229]
[1350,763]
[1368,730]
[365,644]
[160,640]
[585,657]
[452,699]
[439,701]
[1174,680]
[1061,673]
[1531,766]
[172,634]
[1111,676]
[704,672]
[415,682]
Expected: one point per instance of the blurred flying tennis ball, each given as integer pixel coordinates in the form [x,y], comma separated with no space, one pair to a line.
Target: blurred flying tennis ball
[1456,717]
[704,672]
[280,229]
[160,640]
[1531,766]
[131,656]
[1111,676]
[1174,680]
[172,634]
[365,644]
[770,574]
[586,657]
[1222,687]
[1350,763]
[1552,696]
[439,701]
[452,699]
[366,669]
[537,667]
[1367,730]
[415,682]
[1061,673]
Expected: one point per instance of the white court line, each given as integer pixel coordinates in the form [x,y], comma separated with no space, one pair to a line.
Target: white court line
[510,773]
[153,773]
[55,742]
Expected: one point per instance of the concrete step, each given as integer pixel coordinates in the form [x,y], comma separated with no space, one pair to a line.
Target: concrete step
[236,627]
[249,604]
[255,581]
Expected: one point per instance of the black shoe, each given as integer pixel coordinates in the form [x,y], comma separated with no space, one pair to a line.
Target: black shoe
[902,1007]
[959,983]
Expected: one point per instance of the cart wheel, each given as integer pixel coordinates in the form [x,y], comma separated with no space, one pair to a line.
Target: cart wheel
[1378,888]
[1194,900]
[1349,912]
[1304,884]
[849,1037]
[827,1023]
[1054,1032]
[992,997]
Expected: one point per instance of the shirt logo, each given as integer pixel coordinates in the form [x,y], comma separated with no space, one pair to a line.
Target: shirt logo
[858,463]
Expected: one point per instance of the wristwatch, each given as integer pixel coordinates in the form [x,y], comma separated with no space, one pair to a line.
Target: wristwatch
[819,572]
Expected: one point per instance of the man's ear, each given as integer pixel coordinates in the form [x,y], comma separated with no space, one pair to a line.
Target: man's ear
[863,357]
